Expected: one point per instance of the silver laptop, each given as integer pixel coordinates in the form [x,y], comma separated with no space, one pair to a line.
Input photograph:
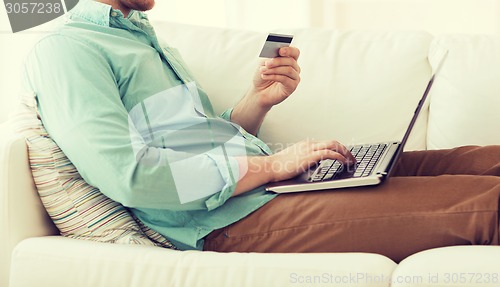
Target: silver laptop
[375,162]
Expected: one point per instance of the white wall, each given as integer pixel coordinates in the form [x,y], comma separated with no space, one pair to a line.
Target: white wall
[13,50]
[238,14]
[266,15]
[6,101]
[196,12]
[435,16]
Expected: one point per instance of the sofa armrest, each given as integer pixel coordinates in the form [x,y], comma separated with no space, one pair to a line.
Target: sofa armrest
[471,266]
[22,214]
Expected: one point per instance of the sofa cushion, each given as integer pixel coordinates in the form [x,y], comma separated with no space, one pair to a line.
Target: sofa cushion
[78,209]
[465,98]
[60,262]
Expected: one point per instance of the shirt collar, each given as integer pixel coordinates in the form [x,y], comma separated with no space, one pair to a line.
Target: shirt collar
[100,13]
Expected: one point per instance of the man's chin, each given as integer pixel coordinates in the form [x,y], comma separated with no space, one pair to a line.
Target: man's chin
[143,5]
[150,6]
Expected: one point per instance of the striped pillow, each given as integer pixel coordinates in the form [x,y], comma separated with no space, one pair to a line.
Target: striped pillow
[77,209]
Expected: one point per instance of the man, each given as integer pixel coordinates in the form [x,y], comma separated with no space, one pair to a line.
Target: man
[123,107]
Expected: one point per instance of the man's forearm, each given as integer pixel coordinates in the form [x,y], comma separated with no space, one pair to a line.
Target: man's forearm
[254,172]
[249,114]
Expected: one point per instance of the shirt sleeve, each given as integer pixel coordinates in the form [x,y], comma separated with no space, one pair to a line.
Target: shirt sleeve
[81,108]
[227,114]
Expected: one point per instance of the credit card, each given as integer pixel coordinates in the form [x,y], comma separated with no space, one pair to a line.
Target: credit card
[273,43]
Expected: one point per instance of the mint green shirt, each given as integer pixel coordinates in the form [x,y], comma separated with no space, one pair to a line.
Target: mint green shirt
[123,107]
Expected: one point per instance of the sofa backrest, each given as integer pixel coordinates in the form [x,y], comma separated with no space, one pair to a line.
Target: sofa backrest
[357,87]
[465,103]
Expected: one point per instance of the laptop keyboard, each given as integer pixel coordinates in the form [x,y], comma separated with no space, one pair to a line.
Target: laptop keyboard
[366,156]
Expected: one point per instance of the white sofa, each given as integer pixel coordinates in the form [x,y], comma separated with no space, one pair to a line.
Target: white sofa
[357,87]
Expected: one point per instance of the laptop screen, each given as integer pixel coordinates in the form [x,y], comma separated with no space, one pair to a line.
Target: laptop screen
[417,112]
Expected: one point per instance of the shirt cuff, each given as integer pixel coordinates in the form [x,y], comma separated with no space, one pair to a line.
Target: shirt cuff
[227,114]
[229,170]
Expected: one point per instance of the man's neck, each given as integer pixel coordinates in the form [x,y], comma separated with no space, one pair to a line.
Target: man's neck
[117,4]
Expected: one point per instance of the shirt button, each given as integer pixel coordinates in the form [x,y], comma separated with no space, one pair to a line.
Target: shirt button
[113,14]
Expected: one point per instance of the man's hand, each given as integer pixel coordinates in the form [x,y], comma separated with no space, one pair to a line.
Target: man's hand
[288,163]
[275,80]
[296,159]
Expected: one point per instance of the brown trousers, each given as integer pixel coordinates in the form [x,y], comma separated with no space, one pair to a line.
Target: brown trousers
[436,198]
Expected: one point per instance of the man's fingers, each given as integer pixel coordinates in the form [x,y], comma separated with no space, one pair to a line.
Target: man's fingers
[284,71]
[337,147]
[292,52]
[285,80]
[340,148]
[278,62]
[329,154]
